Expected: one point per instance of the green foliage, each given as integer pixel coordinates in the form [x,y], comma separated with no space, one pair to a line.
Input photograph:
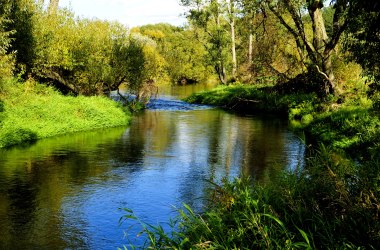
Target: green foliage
[252,99]
[238,219]
[33,111]
[352,128]
[209,19]
[331,203]
[333,199]
[184,55]
[91,56]
[363,39]
[6,60]
[23,41]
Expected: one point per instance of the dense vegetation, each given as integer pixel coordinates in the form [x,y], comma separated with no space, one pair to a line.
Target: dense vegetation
[316,63]
[313,61]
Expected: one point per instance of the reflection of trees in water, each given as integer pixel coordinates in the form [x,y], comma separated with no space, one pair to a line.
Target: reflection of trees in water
[186,148]
[265,149]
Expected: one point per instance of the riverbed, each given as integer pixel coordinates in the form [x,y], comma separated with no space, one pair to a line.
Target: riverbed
[68,192]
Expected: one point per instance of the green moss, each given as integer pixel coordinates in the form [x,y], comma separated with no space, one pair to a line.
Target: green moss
[33,111]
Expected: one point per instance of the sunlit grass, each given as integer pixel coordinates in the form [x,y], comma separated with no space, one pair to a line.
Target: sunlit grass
[332,203]
[33,111]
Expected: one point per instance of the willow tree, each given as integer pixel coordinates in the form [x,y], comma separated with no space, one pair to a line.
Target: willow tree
[319,48]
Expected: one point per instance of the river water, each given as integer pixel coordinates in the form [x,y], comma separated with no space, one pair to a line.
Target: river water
[66,192]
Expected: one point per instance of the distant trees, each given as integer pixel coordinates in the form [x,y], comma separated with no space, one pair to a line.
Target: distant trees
[184,57]
[210,18]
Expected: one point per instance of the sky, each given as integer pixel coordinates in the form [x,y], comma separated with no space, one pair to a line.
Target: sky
[130,12]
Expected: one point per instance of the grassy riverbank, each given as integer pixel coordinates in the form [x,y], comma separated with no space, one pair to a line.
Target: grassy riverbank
[31,111]
[349,123]
[333,202]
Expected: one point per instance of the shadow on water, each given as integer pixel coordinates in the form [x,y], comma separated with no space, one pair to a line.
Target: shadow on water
[65,192]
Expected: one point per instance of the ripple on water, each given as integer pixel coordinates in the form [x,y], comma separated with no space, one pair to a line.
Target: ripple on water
[174,105]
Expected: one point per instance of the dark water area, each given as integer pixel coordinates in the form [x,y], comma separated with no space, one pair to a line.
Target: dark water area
[65,192]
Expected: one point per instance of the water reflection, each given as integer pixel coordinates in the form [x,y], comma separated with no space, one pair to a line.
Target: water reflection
[64,193]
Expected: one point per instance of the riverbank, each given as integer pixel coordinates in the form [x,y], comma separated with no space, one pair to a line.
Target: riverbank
[333,202]
[30,111]
[349,123]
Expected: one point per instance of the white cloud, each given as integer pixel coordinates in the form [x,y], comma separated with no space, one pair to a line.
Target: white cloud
[130,12]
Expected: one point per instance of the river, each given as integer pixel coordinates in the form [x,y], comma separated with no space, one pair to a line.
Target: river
[66,192]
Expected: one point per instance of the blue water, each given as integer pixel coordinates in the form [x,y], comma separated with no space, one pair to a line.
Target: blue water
[67,192]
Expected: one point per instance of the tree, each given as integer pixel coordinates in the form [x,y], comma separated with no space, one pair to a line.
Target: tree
[20,24]
[318,49]
[209,16]
[363,39]
[143,65]
[6,60]
[231,17]
[184,56]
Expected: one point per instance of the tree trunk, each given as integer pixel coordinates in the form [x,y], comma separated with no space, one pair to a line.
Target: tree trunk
[327,68]
[250,49]
[320,41]
[233,43]
[220,68]
[319,31]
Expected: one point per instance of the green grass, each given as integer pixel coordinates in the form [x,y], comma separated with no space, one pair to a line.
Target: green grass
[346,122]
[251,99]
[32,111]
[330,204]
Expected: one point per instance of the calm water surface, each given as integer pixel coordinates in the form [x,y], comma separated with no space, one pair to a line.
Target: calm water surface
[65,192]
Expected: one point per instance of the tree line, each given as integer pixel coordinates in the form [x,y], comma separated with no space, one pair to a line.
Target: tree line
[91,56]
[259,41]
[286,38]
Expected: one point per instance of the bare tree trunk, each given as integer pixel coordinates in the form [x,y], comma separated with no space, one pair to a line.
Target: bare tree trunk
[319,31]
[220,68]
[250,49]
[233,43]
[320,41]
[328,69]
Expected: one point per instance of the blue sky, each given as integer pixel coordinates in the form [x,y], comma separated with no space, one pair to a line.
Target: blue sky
[129,12]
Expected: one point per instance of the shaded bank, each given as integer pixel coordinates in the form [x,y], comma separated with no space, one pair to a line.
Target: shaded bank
[348,123]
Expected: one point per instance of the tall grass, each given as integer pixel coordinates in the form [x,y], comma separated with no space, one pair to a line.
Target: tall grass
[237,218]
[32,111]
[333,203]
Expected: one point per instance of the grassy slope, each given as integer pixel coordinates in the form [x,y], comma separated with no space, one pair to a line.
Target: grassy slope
[32,111]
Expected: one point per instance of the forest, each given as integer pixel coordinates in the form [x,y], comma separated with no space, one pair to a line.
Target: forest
[313,62]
